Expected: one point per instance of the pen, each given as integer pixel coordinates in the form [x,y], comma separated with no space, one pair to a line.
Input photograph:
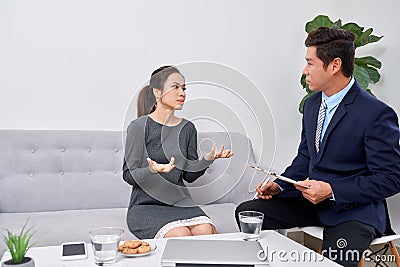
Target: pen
[264,183]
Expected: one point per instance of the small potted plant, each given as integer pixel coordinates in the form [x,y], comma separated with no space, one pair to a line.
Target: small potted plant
[18,246]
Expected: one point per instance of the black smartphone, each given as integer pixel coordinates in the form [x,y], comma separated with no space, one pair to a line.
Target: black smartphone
[73,251]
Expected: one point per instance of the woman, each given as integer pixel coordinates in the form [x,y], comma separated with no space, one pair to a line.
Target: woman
[160,153]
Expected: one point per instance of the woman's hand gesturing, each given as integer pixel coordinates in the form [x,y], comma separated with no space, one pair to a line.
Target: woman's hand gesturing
[221,153]
[157,167]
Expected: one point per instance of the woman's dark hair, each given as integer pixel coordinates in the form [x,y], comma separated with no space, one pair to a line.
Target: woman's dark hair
[334,43]
[146,102]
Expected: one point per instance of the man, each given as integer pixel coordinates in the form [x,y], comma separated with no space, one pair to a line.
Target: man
[348,156]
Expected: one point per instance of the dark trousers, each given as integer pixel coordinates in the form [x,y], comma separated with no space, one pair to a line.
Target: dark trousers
[343,243]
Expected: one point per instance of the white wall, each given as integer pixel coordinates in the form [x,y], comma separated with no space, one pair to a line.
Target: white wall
[77,64]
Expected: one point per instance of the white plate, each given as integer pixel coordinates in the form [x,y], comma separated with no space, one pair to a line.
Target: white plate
[152,246]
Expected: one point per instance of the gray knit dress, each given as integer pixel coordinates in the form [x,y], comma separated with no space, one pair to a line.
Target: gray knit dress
[158,199]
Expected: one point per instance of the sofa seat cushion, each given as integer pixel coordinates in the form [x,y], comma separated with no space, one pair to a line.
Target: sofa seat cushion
[56,227]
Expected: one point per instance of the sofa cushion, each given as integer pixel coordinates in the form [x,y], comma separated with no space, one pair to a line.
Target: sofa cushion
[52,170]
[56,227]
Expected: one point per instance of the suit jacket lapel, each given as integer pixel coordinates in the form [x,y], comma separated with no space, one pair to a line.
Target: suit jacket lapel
[340,112]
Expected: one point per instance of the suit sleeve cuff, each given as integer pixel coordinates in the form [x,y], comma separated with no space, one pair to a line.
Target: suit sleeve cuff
[333,197]
[280,188]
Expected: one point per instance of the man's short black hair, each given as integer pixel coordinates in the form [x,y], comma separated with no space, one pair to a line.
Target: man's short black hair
[334,43]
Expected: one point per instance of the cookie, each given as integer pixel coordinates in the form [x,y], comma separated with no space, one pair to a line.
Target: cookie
[136,244]
[130,251]
[127,243]
[133,243]
[143,249]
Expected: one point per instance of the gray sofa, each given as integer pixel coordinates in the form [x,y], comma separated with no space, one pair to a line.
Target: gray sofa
[67,182]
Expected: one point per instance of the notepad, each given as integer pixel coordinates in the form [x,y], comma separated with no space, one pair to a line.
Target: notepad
[283,178]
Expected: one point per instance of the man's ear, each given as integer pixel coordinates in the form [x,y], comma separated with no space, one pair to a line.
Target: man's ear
[336,65]
[157,92]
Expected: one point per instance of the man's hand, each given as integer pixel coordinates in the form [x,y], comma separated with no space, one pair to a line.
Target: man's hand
[268,190]
[156,167]
[318,191]
[221,153]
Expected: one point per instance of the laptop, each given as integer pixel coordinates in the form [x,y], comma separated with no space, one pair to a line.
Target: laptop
[211,253]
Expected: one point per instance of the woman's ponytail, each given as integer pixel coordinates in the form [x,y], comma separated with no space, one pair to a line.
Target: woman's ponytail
[146,102]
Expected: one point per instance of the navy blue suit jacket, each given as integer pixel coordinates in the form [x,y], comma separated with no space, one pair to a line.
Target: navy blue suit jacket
[359,157]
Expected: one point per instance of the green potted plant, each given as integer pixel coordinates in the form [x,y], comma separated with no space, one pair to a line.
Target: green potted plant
[18,246]
[365,68]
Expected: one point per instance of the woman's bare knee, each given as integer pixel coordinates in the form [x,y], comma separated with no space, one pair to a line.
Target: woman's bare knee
[179,231]
[203,229]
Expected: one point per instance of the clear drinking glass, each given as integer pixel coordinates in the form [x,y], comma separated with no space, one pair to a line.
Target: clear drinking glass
[250,224]
[105,242]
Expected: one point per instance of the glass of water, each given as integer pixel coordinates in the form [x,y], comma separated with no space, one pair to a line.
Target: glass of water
[250,224]
[105,243]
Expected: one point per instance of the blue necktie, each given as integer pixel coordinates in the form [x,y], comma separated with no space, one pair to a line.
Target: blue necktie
[321,119]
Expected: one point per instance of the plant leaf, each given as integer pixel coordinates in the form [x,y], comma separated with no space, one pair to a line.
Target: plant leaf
[303,81]
[373,74]
[374,38]
[337,24]
[363,39]
[301,105]
[318,21]
[354,28]
[369,60]
[308,90]
[361,75]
